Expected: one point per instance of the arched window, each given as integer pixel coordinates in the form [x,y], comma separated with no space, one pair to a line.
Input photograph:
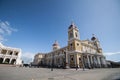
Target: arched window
[7,61]
[16,53]
[4,51]
[77,44]
[71,35]
[76,34]
[13,61]
[11,53]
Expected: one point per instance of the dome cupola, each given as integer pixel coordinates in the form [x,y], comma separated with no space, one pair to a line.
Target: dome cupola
[56,45]
[93,37]
[72,26]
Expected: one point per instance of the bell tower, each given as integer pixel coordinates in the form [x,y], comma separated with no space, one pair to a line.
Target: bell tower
[73,38]
[73,32]
[96,43]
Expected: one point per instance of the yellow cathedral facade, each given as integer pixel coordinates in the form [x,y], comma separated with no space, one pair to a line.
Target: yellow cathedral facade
[78,53]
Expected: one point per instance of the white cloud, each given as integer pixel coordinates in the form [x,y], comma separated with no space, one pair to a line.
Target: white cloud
[1,31]
[113,56]
[27,57]
[5,29]
[111,53]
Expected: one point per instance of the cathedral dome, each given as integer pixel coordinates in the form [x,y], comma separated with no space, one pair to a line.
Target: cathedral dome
[93,38]
[56,44]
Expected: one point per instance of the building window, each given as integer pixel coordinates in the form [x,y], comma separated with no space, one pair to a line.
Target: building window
[4,51]
[71,35]
[16,53]
[80,59]
[10,53]
[76,34]
[77,44]
[72,59]
[71,46]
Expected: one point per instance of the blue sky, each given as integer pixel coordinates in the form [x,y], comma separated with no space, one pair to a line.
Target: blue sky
[34,25]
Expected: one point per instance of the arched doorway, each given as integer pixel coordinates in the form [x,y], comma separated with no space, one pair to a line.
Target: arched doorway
[1,60]
[13,61]
[7,60]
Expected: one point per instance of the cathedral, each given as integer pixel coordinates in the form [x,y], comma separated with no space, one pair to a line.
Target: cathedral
[78,53]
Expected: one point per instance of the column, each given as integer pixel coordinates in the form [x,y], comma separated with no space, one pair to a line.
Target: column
[10,60]
[82,58]
[88,61]
[99,61]
[75,56]
[93,58]
[66,58]
[6,52]
[96,61]
[104,62]
[4,60]
[91,61]
[85,60]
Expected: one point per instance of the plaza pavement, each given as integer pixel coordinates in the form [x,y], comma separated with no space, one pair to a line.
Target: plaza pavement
[22,73]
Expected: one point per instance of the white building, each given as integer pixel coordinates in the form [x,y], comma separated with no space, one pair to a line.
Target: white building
[9,55]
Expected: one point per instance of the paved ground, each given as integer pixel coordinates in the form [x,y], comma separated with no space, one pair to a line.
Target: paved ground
[16,73]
